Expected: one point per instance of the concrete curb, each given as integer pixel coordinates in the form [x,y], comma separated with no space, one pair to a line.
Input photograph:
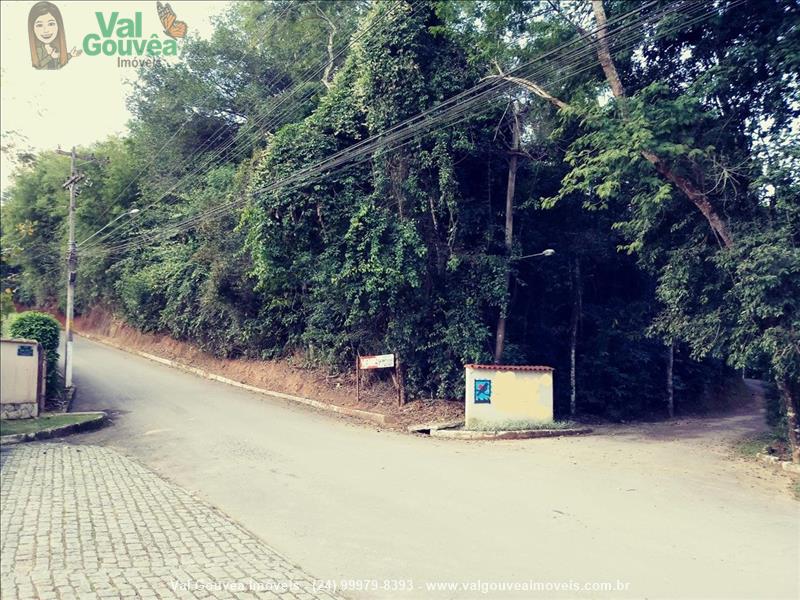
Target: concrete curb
[342,410]
[784,464]
[90,425]
[523,434]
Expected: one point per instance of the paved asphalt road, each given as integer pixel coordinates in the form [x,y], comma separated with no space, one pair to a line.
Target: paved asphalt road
[660,509]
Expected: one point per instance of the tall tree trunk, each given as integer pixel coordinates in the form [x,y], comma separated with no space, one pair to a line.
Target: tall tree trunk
[787,395]
[671,380]
[604,52]
[326,75]
[696,196]
[577,309]
[513,163]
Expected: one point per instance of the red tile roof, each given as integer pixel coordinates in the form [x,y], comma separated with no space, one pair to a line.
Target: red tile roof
[538,368]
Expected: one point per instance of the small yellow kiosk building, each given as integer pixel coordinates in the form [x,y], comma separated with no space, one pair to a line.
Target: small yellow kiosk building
[499,394]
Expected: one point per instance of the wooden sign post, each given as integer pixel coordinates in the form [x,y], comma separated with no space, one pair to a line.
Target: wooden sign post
[379,361]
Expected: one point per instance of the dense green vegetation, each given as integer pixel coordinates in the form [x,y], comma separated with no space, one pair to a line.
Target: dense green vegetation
[657,155]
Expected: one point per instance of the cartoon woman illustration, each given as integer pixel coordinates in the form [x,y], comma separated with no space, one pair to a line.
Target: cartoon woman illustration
[46,36]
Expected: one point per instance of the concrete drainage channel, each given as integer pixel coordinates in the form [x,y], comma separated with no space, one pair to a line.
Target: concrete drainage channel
[455,430]
[433,428]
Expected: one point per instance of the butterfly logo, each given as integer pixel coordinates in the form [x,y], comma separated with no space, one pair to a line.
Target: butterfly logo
[172,27]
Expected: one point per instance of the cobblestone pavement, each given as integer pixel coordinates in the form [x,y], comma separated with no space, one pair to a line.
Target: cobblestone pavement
[86,522]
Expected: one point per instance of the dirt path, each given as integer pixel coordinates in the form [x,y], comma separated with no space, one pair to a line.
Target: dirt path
[708,431]
[715,437]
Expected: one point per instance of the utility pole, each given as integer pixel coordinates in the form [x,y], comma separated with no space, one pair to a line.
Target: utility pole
[72,258]
[72,265]
[516,132]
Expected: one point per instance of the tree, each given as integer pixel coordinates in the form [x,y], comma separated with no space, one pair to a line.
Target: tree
[645,126]
[33,226]
[370,257]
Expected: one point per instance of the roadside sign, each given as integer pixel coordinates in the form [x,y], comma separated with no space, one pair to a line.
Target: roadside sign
[380,361]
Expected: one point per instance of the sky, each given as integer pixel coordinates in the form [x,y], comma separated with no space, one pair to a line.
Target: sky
[84,101]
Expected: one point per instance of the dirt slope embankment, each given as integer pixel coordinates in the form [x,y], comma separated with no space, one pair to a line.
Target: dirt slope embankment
[288,376]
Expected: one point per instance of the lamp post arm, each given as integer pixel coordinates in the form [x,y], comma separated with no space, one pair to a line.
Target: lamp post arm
[125,214]
[81,243]
[548,252]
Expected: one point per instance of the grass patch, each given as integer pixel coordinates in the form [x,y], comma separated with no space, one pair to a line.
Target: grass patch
[11,427]
[521,425]
[752,445]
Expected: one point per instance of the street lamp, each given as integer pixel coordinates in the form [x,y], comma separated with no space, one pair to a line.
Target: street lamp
[131,212]
[548,252]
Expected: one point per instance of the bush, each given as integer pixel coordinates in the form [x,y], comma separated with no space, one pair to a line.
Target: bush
[37,326]
[44,329]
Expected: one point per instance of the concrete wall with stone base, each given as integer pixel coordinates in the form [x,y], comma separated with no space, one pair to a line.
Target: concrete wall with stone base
[21,410]
[21,378]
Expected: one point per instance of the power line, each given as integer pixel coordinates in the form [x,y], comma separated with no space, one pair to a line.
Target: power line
[488,92]
[208,159]
[185,122]
[323,168]
[301,177]
[307,78]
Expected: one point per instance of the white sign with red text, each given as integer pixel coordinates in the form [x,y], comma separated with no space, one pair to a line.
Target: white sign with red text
[380,361]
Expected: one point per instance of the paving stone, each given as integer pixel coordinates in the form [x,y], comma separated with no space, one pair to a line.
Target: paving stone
[86,522]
